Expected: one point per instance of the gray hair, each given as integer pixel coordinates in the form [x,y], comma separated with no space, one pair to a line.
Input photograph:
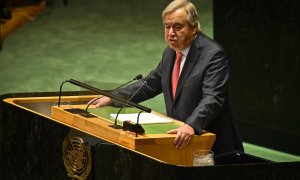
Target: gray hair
[192,14]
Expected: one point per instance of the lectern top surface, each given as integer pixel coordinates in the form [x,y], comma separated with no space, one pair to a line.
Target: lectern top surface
[158,128]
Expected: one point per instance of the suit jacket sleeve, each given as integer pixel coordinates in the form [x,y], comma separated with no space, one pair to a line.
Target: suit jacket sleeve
[214,91]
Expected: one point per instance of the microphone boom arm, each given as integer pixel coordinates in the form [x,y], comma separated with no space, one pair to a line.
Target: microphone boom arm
[126,102]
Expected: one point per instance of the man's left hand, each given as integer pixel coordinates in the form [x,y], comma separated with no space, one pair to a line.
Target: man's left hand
[184,135]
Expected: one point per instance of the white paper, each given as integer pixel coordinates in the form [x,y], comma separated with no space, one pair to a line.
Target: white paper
[145,118]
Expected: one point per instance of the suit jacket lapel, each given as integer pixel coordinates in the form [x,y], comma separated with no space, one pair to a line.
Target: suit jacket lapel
[170,60]
[190,62]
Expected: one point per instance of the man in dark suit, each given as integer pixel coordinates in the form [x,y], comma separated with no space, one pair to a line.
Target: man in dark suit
[193,76]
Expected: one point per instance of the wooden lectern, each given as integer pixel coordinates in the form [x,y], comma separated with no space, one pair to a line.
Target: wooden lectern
[30,135]
[158,146]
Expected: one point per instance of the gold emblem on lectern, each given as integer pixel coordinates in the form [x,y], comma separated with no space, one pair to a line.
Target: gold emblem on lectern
[77,157]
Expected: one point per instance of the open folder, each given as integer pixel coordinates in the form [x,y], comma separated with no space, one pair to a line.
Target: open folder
[145,118]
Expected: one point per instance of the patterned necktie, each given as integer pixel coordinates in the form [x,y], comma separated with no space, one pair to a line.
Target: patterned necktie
[175,76]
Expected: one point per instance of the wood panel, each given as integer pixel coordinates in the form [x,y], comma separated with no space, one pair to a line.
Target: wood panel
[20,16]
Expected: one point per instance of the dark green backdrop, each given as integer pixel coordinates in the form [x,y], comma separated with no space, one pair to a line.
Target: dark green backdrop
[262,41]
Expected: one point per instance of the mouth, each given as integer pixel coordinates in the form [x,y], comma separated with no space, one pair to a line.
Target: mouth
[172,41]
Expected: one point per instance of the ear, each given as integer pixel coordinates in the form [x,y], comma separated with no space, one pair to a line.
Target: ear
[195,29]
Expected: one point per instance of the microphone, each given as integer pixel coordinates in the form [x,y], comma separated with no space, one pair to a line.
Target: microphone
[138,90]
[60,91]
[105,93]
[137,77]
[137,128]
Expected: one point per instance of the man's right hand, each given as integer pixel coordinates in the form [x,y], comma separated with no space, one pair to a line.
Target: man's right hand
[103,101]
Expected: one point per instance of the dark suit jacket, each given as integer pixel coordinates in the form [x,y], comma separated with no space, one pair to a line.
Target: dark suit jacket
[202,93]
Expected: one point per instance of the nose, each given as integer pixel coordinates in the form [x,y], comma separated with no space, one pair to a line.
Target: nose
[171,31]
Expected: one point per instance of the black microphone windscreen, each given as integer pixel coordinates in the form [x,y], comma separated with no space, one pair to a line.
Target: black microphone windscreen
[138,77]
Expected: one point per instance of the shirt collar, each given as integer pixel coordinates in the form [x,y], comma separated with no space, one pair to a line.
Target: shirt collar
[186,51]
